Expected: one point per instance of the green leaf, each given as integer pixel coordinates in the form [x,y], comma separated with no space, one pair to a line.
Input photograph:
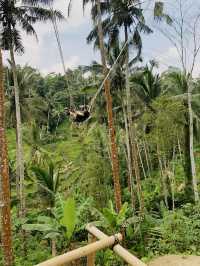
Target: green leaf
[122,214]
[129,231]
[69,217]
[52,235]
[38,227]
[110,217]
[44,220]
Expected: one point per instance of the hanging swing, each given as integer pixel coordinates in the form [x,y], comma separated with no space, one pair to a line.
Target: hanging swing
[83,112]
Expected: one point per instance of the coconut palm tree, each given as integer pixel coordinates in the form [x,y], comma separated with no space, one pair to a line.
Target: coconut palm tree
[147,85]
[114,152]
[126,16]
[4,180]
[48,180]
[32,106]
[13,18]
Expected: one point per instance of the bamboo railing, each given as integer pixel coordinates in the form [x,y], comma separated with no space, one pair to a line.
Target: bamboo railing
[97,241]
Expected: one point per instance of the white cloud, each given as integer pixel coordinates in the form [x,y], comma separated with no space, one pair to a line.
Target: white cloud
[44,54]
[165,58]
[71,63]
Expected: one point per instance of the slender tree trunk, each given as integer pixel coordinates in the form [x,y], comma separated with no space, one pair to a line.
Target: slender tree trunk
[129,161]
[141,161]
[114,152]
[179,148]
[192,159]
[19,146]
[17,181]
[53,247]
[5,182]
[128,151]
[48,118]
[187,161]
[163,178]
[172,178]
[147,160]
[132,135]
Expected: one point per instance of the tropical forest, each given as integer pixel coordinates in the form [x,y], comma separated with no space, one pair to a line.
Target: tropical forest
[99,133]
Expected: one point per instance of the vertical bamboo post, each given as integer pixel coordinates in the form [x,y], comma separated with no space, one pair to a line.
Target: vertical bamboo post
[91,257]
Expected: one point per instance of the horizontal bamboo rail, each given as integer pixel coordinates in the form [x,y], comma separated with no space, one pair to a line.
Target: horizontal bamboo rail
[83,251]
[118,249]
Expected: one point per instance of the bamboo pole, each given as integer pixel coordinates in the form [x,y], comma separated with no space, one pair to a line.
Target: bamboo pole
[141,162]
[147,160]
[91,257]
[82,252]
[118,249]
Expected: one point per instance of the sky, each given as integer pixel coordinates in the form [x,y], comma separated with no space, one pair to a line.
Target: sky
[44,55]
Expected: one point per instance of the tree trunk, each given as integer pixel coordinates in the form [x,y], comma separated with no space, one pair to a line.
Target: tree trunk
[53,247]
[114,151]
[129,160]
[192,159]
[132,135]
[147,159]
[5,183]
[19,147]
[163,178]
[187,161]
[141,161]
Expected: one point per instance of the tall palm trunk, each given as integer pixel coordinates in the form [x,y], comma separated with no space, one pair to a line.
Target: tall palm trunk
[19,147]
[192,160]
[4,178]
[114,152]
[187,161]
[131,129]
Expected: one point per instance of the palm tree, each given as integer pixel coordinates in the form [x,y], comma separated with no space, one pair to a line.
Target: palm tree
[23,16]
[4,178]
[114,151]
[126,16]
[147,85]
[48,180]
[32,106]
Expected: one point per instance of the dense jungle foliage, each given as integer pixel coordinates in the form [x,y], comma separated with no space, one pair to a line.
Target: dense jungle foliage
[70,162]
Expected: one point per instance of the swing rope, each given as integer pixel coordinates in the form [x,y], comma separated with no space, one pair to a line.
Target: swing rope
[92,102]
[57,35]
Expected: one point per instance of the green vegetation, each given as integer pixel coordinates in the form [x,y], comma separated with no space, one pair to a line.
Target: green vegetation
[69,160]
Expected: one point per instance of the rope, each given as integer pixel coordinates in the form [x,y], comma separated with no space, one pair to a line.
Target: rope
[56,31]
[92,102]
[107,76]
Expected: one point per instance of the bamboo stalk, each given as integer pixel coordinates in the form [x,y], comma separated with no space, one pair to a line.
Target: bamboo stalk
[162,174]
[148,154]
[141,162]
[118,249]
[147,160]
[91,257]
[82,252]
[172,179]
[179,148]
[129,161]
